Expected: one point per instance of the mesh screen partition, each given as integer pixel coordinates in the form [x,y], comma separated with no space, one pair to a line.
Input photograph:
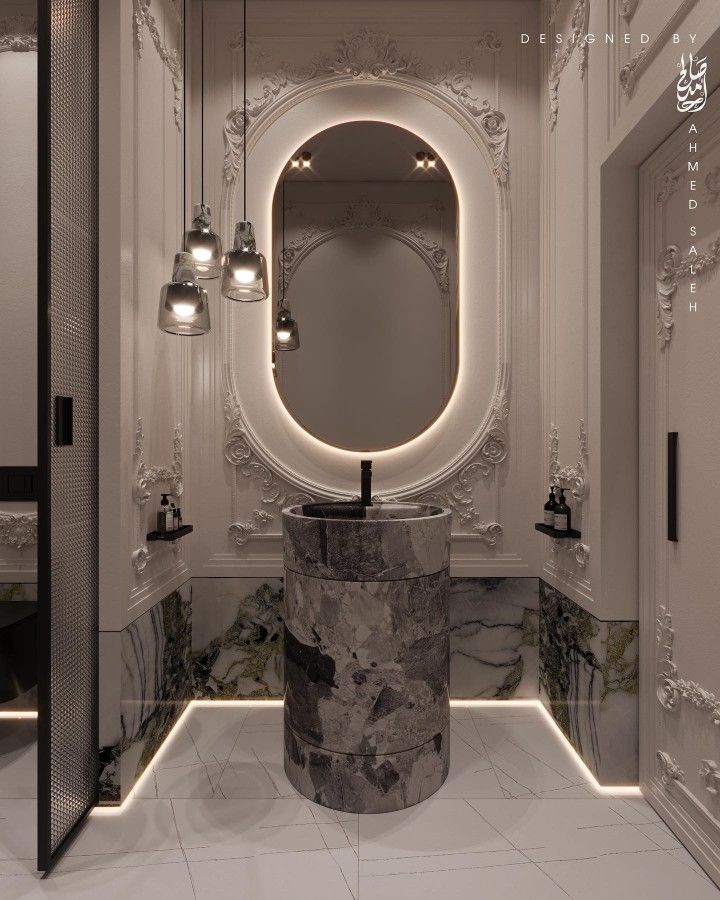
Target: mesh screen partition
[68,353]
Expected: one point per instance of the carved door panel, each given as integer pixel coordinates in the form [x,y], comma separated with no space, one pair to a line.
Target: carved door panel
[680,393]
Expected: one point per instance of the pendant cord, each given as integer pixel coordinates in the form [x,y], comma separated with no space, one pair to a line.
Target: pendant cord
[245,47]
[282,256]
[202,102]
[184,118]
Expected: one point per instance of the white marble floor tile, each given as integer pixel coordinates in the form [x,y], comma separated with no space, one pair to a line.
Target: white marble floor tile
[471,773]
[141,826]
[347,861]
[18,759]
[627,876]
[562,829]
[521,882]
[292,876]
[18,831]
[264,718]
[159,882]
[256,768]
[226,829]
[441,862]
[435,826]
[121,859]
[199,780]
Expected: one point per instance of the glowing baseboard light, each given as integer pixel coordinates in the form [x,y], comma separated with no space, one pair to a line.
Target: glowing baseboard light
[18,714]
[610,791]
[620,790]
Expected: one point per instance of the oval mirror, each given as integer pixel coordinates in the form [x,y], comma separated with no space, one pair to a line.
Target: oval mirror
[365,300]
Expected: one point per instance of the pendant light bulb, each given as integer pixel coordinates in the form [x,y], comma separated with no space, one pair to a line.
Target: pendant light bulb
[244,269]
[183,303]
[203,244]
[287,333]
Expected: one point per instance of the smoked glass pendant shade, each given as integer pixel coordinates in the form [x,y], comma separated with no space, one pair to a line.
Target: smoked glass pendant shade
[244,269]
[287,333]
[183,303]
[203,244]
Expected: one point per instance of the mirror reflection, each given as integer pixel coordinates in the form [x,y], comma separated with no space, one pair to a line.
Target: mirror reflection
[18,404]
[365,325]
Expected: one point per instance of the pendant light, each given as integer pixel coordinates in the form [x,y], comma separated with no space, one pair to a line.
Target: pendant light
[200,240]
[287,333]
[183,303]
[244,269]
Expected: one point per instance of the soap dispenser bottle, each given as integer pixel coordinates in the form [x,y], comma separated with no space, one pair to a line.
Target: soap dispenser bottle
[164,516]
[562,513]
[550,507]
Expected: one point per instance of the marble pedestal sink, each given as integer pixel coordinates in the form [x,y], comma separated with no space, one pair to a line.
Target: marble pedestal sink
[366,653]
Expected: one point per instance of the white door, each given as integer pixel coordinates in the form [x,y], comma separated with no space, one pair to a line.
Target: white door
[680,392]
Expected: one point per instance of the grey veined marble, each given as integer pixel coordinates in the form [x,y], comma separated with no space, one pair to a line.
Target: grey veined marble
[367,657]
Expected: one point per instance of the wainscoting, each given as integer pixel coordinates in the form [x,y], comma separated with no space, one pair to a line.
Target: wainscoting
[510,638]
[589,682]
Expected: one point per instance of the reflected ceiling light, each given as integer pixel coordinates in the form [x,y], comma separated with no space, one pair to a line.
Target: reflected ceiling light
[302,160]
[203,244]
[287,333]
[244,269]
[425,160]
[183,303]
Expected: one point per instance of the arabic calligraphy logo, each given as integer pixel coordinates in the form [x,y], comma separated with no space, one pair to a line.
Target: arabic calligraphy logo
[691,86]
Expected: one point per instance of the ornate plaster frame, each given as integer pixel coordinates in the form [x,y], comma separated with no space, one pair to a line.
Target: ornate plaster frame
[18,34]
[671,688]
[18,530]
[562,55]
[572,478]
[672,268]
[371,58]
[360,215]
[172,59]
[146,478]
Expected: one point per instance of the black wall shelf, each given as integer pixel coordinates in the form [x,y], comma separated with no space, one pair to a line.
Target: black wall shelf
[554,533]
[169,535]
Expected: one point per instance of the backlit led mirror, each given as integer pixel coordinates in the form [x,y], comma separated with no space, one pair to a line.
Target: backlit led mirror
[367,264]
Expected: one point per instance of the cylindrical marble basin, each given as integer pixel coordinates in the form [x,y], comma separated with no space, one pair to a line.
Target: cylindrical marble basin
[366,653]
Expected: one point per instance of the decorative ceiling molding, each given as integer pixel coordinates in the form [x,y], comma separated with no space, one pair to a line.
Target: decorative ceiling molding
[363,215]
[18,34]
[671,184]
[240,454]
[373,56]
[671,688]
[562,55]
[145,479]
[171,58]
[672,268]
[18,530]
[627,9]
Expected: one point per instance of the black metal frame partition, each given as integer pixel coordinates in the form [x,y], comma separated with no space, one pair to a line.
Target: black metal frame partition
[67,457]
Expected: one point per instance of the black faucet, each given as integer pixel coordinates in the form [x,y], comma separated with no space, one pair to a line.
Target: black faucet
[366,482]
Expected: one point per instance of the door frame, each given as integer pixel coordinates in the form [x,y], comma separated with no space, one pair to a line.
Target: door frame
[696,827]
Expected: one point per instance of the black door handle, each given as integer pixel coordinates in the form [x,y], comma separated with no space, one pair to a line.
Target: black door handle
[672,461]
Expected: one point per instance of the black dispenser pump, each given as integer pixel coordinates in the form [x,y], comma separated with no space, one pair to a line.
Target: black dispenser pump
[366,482]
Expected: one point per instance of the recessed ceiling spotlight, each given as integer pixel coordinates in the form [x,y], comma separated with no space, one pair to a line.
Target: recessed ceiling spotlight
[302,160]
[425,160]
